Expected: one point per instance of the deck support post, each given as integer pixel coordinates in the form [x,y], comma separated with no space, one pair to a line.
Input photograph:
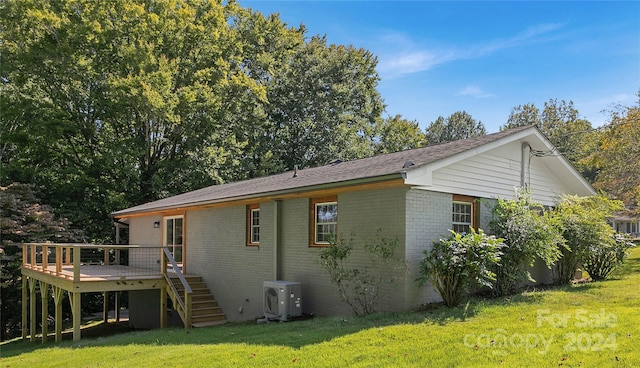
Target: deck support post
[58,293]
[116,307]
[32,308]
[105,307]
[25,299]
[163,308]
[44,293]
[76,312]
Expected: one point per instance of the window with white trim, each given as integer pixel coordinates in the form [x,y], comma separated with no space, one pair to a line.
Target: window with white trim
[253,224]
[462,217]
[324,225]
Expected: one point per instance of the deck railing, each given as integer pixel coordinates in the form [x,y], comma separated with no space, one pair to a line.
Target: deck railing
[80,261]
[182,303]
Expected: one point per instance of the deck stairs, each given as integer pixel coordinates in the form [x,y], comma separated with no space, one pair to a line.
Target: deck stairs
[205,310]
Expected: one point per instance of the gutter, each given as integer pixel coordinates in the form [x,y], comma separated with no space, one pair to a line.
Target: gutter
[277,194]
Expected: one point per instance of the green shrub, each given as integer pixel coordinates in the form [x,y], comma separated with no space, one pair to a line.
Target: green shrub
[460,262]
[603,258]
[359,283]
[529,233]
[583,223]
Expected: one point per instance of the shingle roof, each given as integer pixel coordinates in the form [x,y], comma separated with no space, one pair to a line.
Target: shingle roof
[374,168]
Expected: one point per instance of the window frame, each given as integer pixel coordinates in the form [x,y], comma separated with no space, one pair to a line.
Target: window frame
[313,234]
[251,209]
[475,214]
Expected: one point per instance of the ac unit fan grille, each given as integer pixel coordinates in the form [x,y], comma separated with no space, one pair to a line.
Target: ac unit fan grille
[271,300]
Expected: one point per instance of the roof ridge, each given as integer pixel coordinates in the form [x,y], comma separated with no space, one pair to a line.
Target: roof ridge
[377,166]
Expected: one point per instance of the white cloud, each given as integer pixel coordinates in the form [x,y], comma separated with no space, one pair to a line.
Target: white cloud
[412,62]
[412,58]
[474,91]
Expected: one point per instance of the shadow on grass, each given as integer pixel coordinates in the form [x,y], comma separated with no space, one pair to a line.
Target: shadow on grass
[91,331]
[301,333]
[630,266]
[291,334]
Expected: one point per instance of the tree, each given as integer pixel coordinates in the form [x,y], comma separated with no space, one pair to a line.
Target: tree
[121,98]
[459,125]
[395,134]
[24,219]
[617,159]
[324,104]
[111,104]
[559,121]
[523,115]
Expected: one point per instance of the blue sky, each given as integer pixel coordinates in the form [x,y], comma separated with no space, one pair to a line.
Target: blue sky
[435,58]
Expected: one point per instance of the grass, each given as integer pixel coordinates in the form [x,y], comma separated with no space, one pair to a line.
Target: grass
[588,325]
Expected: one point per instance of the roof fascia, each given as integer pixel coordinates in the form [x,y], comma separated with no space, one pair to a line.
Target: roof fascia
[390,180]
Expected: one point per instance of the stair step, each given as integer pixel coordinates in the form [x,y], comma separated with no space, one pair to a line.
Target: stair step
[201,298]
[193,285]
[209,323]
[208,318]
[210,303]
[205,311]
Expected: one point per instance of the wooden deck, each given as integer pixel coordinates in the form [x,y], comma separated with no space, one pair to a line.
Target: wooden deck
[53,269]
[90,273]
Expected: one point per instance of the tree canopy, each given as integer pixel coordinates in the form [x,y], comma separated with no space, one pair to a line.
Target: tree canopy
[108,104]
[559,121]
[617,157]
[395,134]
[459,125]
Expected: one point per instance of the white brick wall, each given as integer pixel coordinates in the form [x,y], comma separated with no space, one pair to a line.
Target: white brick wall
[428,219]
[217,251]
[215,248]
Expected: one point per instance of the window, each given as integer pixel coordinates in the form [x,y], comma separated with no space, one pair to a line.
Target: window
[173,236]
[253,224]
[463,214]
[324,220]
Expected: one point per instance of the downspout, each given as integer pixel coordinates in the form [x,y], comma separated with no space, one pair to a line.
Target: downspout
[277,212]
[524,153]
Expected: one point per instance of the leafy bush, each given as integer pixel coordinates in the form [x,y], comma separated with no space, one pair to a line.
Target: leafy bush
[583,223]
[603,258]
[359,285]
[529,233]
[457,263]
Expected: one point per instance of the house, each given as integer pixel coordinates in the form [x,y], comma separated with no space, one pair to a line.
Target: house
[236,236]
[627,222]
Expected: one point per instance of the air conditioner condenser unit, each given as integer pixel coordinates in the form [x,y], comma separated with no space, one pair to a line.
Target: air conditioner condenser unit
[282,300]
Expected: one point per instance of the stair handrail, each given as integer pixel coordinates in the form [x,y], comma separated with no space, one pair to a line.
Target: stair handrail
[186,303]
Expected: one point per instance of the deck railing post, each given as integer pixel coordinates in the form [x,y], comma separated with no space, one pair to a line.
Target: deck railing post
[67,256]
[34,262]
[59,251]
[76,264]
[45,258]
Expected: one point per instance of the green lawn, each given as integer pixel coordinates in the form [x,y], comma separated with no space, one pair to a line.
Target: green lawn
[588,325]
